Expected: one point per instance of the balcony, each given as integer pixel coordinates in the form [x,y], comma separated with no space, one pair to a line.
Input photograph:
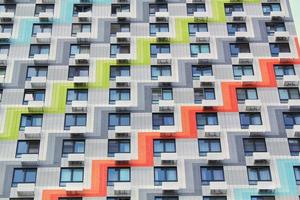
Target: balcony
[33,132]
[167,130]
[165,80]
[3,58]
[29,159]
[205,57]
[253,104]
[215,157]
[74,187]
[123,57]
[201,16]
[164,58]
[242,35]
[123,81]
[202,36]
[41,58]
[279,36]
[122,131]
[166,105]
[294,132]
[170,186]
[123,37]
[46,16]
[266,187]
[7,16]
[277,15]
[85,16]
[290,80]
[209,103]
[77,130]
[43,37]
[75,159]
[239,16]
[81,80]
[82,58]
[256,129]
[218,187]
[243,58]
[123,15]
[83,36]
[207,81]
[79,106]
[248,79]
[122,157]
[261,157]
[294,104]
[212,130]
[38,81]
[5,36]
[26,189]
[123,103]
[168,158]
[2,79]
[163,36]
[122,188]
[36,106]
[162,16]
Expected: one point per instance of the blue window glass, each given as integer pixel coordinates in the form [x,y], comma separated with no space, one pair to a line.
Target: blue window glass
[119,95]
[236,48]
[291,119]
[118,119]
[269,7]
[197,27]
[294,144]
[283,70]
[246,93]
[27,147]
[71,175]
[254,145]
[199,48]
[164,146]
[73,147]
[277,48]
[24,175]
[118,146]
[158,27]
[233,7]
[77,95]
[118,174]
[159,48]
[259,173]
[209,145]
[250,118]
[164,174]
[119,71]
[160,70]
[201,70]
[206,119]
[209,174]
[162,119]
[31,120]
[74,120]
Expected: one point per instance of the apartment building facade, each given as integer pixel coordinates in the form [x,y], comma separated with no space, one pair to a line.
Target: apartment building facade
[149,100]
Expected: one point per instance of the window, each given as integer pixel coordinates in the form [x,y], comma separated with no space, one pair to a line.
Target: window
[161,94]
[250,118]
[233,7]
[214,198]
[73,147]
[252,145]
[258,173]
[27,147]
[209,145]
[164,174]
[23,175]
[288,93]
[33,95]
[8,8]
[39,49]
[199,48]
[77,95]
[36,71]
[166,198]
[6,28]
[204,94]
[118,146]
[297,174]
[78,71]
[162,119]
[115,8]
[41,28]
[236,48]
[4,49]
[77,8]
[71,175]
[242,70]
[79,49]
[270,7]
[119,49]
[209,174]
[195,7]
[262,198]
[206,119]
[118,119]
[273,27]
[31,120]
[41,8]
[118,174]
[246,93]
[74,120]
[164,146]
[201,70]
[159,48]
[157,7]
[160,70]
[158,27]
[232,28]
[197,27]
[277,48]
[119,71]
[290,119]
[119,27]
[119,95]
[81,28]
[294,144]
[283,70]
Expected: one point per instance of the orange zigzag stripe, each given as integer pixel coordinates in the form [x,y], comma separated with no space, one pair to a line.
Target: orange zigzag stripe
[189,130]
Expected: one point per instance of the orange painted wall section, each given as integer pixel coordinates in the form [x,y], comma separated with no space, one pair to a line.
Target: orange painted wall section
[189,130]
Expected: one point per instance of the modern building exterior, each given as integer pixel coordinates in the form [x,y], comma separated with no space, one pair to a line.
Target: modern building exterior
[149,100]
